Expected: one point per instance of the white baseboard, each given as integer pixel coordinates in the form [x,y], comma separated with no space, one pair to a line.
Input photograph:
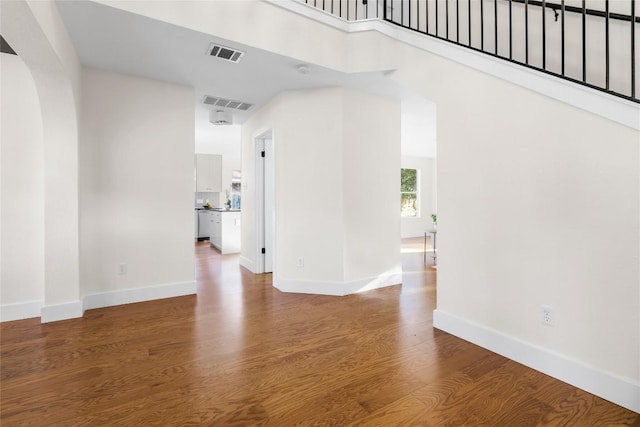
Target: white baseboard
[128,296]
[336,288]
[248,264]
[621,391]
[53,313]
[23,310]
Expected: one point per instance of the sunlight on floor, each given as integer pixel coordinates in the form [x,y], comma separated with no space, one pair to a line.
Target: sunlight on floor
[413,245]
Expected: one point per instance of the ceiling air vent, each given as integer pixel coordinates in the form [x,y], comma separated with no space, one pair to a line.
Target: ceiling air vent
[226,53]
[226,103]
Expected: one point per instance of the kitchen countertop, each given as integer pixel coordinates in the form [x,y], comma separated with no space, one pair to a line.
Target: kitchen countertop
[217,209]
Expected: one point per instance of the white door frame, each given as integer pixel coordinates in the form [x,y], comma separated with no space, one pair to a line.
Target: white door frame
[262,167]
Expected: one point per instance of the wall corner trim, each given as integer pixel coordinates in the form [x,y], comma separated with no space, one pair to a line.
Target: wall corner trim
[621,391]
[248,264]
[336,288]
[68,310]
[129,296]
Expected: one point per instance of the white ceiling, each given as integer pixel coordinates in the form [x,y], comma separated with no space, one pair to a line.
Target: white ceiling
[115,40]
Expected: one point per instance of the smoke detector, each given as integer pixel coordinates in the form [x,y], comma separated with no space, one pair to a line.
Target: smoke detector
[220,117]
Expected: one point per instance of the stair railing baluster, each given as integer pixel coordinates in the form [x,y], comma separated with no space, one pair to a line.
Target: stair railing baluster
[457,21]
[544,34]
[482,25]
[426,15]
[511,29]
[437,34]
[469,23]
[606,43]
[562,34]
[446,14]
[584,41]
[633,48]
[526,32]
[495,24]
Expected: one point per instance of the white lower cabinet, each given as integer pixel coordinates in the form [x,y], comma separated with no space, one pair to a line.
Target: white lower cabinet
[225,231]
[214,229]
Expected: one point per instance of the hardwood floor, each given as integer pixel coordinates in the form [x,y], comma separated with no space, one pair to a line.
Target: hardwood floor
[242,353]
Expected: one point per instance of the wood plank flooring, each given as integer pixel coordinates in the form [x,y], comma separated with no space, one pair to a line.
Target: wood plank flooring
[242,353]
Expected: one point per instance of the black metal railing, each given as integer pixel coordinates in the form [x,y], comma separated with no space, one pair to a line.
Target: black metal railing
[351,10]
[594,46]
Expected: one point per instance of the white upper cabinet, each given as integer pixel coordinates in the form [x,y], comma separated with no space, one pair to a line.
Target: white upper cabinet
[208,173]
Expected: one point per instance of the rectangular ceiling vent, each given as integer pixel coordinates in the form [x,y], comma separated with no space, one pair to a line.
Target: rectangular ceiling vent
[226,103]
[226,53]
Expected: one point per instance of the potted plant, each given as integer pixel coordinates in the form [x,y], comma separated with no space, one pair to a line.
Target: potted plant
[434,218]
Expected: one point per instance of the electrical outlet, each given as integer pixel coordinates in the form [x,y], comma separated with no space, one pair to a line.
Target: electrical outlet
[300,262]
[546,313]
[122,268]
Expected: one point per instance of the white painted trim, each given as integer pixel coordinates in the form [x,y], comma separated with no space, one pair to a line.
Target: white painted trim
[611,107]
[259,138]
[248,264]
[72,310]
[258,191]
[19,311]
[336,288]
[621,391]
[54,313]
[128,296]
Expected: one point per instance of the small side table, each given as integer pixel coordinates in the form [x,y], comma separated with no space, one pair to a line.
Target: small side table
[435,255]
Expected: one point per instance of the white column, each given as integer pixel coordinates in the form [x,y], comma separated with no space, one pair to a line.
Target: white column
[37,34]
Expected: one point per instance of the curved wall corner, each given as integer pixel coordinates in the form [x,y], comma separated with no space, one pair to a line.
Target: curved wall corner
[36,33]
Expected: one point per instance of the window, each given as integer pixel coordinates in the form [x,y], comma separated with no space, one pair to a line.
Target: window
[408,192]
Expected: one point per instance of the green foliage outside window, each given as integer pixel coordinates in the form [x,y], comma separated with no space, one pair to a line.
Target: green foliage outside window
[408,192]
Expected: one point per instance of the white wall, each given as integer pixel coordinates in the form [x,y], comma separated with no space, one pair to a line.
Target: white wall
[416,226]
[331,189]
[418,128]
[136,158]
[35,31]
[371,167]
[538,203]
[22,191]
[308,180]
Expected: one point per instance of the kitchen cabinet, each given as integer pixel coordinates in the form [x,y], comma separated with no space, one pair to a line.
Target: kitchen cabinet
[215,228]
[225,231]
[208,173]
